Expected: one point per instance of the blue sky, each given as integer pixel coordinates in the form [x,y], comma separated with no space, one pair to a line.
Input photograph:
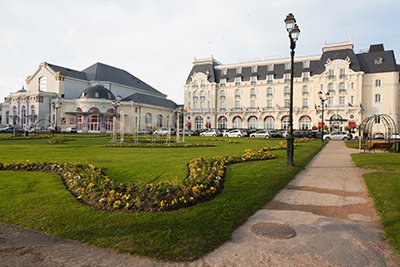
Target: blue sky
[158,40]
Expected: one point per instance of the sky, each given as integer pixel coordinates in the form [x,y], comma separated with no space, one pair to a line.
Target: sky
[157,41]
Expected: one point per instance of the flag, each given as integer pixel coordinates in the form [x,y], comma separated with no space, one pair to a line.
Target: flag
[277,107]
[361,106]
[349,104]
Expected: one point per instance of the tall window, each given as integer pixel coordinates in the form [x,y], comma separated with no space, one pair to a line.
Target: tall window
[269,123]
[342,100]
[94,120]
[109,119]
[305,90]
[159,122]
[378,83]
[287,103]
[331,74]
[342,73]
[148,120]
[43,84]
[377,98]
[269,91]
[286,90]
[270,78]
[253,104]
[330,101]
[238,80]
[269,103]
[252,92]
[253,123]
[253,79]
[33,113]
[237,122]
[285,123]
[342,87]
[330,88]
[237,104]
[306,76]
[305,123]
[23,115]
[305,103]
[286,77]
[198,123]
[222,123]
[237,93]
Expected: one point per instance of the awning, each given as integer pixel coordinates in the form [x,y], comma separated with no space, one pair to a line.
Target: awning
[320,124]
[188,124]
[208,124]
[352,124]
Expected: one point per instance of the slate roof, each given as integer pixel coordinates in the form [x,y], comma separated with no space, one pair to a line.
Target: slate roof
[151,100]
[68,72]
[365,62]
[103,72]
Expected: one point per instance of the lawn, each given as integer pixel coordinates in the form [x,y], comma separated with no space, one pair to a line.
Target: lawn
[41,202]
[383,184]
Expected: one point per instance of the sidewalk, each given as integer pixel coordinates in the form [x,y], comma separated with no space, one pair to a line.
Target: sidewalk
[328,209]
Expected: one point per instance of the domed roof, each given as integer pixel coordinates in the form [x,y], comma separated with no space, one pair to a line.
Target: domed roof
[97,91]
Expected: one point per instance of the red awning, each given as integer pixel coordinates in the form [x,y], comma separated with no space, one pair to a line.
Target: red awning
[352,124]
[320,124]
[188,124]
[208,124]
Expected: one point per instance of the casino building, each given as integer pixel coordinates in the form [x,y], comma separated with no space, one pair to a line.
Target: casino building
[87,100]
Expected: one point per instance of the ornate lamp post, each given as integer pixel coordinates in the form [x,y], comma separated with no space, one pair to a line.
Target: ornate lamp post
[294,33]
[323,98]
[115,104]
[56,106]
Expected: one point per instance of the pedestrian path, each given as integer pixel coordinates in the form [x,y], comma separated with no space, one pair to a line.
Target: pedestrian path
[328,209]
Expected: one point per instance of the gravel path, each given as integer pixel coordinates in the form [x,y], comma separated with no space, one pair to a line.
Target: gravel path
[325,207]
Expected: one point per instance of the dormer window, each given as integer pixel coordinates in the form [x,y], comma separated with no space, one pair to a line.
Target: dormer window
[306,64]
[287,66]
[271,67]
[254,69]
[222,82]
[342,73]
[224,71]
[306,76]
[238,80]
[238,70]
[378,61]
[270,78]
[331,74]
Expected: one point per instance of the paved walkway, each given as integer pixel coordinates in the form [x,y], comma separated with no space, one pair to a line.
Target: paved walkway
[326,206]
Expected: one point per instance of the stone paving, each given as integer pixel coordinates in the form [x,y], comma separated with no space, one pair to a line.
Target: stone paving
[324,217]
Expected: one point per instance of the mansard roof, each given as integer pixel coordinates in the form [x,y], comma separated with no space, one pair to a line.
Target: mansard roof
[374,61]
[68,72]
[151,100]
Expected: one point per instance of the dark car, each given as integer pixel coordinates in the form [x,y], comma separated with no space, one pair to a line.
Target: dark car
[274,134]
[301,134]
[316,134]
[11,130]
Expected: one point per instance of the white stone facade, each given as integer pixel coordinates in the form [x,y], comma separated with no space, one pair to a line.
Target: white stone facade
[256,94]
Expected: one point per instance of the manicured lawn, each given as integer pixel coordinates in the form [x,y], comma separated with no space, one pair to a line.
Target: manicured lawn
[384,187]
[40,200]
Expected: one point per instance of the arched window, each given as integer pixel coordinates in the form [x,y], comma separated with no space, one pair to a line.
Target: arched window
[377,98]
[109,119]
[23,115]
[7,117]
[269,123]
[237,122]
[222,123]
[305,122]
[94,120]
[198,123]
[285,123]
[159,121]
[33,113]
[148,120]
[252,123]
[79,119]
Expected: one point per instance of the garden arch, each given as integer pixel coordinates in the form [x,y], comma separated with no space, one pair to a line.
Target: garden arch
[366,128]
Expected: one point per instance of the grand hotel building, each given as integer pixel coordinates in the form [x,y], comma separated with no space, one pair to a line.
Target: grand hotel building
[256,94]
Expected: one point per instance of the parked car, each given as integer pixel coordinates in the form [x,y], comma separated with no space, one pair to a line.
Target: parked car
[274,134]
[395,136]
[144,131]
[301,134]
[7,130]
[164,131]
[235,133]
[379,136]
[338,135]
[70,130]
[283,133]
[315,134]
[211,132]
[260,134]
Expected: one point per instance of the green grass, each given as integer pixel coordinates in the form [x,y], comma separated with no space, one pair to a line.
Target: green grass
[41,202]
[384,188]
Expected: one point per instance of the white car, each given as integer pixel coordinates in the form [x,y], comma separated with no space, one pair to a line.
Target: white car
[395,136]
[337,135]
[260,134]
[235,133]
[163,131]
[211,132]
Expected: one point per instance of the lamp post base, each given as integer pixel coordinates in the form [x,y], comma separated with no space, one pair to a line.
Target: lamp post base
[290,150]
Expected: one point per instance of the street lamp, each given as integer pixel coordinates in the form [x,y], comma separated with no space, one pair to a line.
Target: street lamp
[56,106]
[294,32]
[323,99]
[115,104]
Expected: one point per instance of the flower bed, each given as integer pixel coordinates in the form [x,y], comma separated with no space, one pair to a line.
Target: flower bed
[156,145]
[91,186]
